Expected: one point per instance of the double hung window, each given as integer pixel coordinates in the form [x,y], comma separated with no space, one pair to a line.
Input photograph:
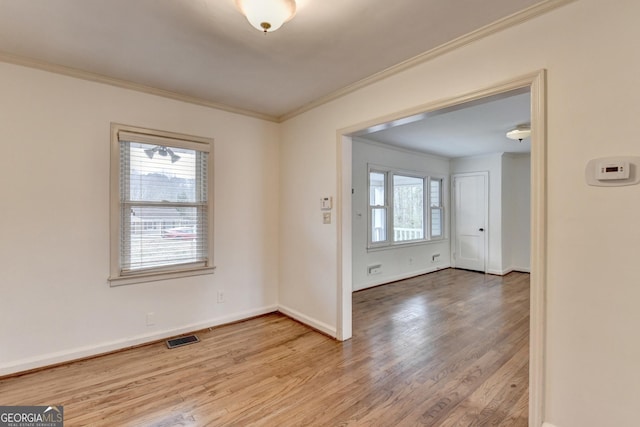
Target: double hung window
[161,205]
[404,207]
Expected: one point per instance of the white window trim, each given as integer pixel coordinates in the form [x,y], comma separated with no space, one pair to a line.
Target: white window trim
[117,278]
[389,173]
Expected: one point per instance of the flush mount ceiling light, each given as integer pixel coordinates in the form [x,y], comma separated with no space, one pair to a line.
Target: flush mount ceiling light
[520,132]
[267,15]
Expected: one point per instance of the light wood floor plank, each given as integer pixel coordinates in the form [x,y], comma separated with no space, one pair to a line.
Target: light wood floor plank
[443,349]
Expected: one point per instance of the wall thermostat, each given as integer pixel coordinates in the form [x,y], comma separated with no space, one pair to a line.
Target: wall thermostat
[613,171]
[326,203]
[607,170]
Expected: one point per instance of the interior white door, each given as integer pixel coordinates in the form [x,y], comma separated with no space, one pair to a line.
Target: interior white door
[470,215]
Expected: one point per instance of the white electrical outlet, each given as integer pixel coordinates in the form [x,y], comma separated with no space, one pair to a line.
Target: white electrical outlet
[151,319]
[220,297]
[374,269]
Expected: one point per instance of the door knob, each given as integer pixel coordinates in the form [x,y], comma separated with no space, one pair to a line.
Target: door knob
[482,229]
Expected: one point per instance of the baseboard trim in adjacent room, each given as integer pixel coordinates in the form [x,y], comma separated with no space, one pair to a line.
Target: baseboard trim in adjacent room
[79,353]
[309,321]
[547,425]
[508,270]
[398,277]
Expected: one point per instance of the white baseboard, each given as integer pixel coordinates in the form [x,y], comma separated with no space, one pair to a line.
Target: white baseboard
[309,321]
[389,279]
[547,425]
[94,350]
[508,270]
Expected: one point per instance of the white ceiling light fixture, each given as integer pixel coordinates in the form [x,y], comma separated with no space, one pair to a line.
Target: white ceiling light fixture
[520,132]
[267,15]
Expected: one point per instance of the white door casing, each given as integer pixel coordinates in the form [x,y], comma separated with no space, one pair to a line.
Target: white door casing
[536,83]
[470,209]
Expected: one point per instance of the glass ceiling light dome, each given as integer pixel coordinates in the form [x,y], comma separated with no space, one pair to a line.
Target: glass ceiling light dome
[267,15]
[519,133]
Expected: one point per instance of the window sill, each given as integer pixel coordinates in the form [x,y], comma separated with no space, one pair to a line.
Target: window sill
[159,275]
[404,245]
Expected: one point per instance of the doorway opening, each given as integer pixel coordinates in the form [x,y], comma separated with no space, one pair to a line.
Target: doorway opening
[534,84]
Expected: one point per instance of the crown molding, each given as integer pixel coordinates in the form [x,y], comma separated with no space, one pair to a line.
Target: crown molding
[487,30]
[495,27]
[99,78]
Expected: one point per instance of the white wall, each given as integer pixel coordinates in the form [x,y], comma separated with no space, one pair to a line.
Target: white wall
[509,208]
[516,212]
[588,48]
[397,262]
[55,301]
[491,163]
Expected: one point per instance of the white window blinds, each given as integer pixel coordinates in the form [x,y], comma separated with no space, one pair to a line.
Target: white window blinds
[164,213]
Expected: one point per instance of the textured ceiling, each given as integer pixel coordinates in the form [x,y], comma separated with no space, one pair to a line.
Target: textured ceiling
[206,48]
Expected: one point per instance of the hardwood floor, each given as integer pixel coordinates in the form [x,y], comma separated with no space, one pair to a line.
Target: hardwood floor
[445,349]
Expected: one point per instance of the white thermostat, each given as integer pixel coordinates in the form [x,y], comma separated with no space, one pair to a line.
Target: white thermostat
[607,170]
[326,203]
[613,171]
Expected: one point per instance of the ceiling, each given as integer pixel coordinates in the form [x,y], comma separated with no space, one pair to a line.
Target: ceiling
[470,129]
[206,49]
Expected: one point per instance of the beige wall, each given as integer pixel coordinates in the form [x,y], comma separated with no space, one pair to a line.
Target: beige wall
[55,301]
[589,48]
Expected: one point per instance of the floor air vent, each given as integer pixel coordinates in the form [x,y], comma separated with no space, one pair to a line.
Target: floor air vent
[179,342]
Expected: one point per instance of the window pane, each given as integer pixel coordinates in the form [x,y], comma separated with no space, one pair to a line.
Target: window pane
[435,197]
[408,208]
[376,189]
[157,236]
[164,174]
[435,200]
[436,222]
[378,225]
